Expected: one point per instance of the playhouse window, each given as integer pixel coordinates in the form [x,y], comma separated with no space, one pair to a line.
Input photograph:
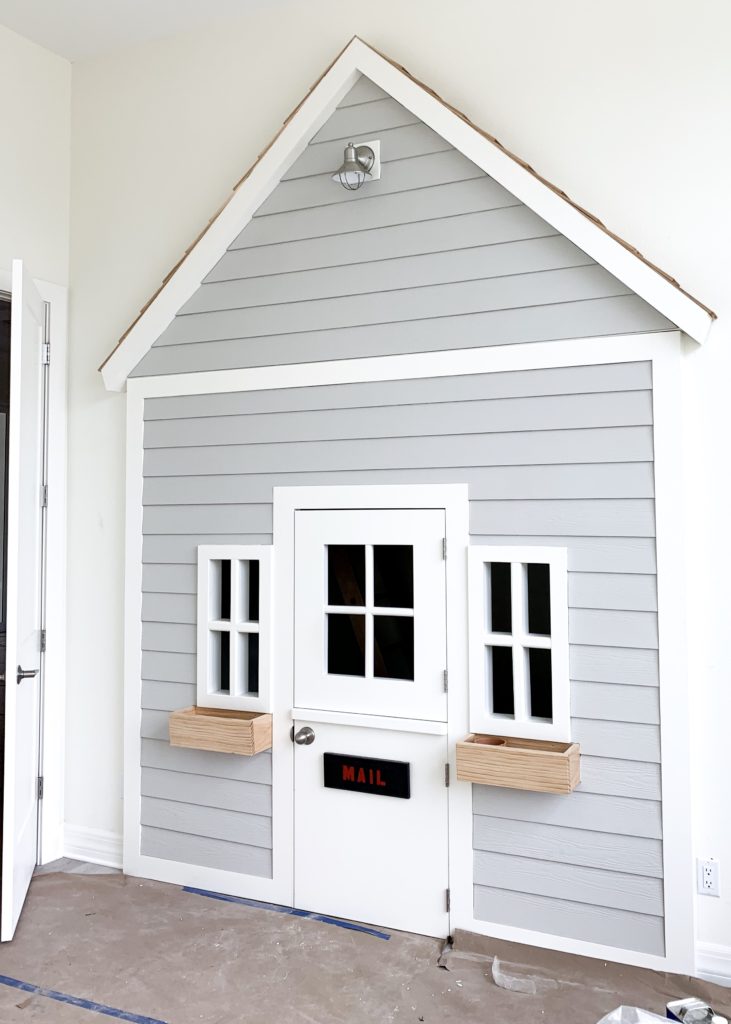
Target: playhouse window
[369,619]
[519,642]
[233,626]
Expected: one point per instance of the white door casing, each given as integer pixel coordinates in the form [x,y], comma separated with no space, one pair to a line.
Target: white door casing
[370,661]
[24,579]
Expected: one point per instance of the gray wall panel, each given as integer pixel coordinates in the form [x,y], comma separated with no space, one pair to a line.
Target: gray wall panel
[381,246]
[569,882]
[576,319]
[206,852]
[616,703]
[516,291]
[602,480]
[560,412]
[617,739]
[620,778]
[610,927]
[615,814]
[211,822]
[629,854]
[158,695]
[565,380]
[479,263]
[226,794]
[615,444]
[158,754]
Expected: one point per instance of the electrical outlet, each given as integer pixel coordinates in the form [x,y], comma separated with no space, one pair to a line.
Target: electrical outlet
[708,877]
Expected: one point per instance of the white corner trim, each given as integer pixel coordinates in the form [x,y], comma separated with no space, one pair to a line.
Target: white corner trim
[713,963]
[359,58]
[94,845]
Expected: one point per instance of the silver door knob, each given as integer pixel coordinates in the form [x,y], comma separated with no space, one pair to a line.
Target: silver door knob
[27,673]
[304,736]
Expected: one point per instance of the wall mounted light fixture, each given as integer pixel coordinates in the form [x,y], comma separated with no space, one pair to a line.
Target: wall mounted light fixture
[357,167]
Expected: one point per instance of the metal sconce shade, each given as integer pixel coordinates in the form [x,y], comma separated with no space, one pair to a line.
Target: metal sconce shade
[356,166]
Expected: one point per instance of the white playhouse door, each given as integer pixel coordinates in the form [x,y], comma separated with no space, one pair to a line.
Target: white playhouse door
[371,825]
[24,570]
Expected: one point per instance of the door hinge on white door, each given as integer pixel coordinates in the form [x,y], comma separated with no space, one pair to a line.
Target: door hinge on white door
[46,353]
[448,900]
[446,681]
[40,787]
[444,547]
[43,641]
[446,775]
[44,496]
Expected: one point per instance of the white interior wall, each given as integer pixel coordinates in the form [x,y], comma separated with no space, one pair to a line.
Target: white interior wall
[624,105]
[35,87]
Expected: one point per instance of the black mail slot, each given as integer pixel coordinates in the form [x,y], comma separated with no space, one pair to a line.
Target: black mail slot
[368,775]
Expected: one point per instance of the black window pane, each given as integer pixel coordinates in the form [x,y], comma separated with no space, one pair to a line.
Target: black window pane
[346,645]
[539,599]
[252,661]
[500,674]
[220,661]
[252,612]
[393,575]
[393,646]
[224,596]
[539,678]
[346,574]
[501,618]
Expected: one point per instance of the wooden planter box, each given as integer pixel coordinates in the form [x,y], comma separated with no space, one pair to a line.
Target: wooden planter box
[539,765]
[230,732]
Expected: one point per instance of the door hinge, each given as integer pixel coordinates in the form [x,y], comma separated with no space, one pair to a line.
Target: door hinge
[446,775]
[446,681]
[43,641]
[448,899]
[46,353]
[44,496]
[40,787]
[444,547]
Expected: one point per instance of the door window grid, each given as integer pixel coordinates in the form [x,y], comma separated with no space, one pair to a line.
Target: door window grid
[233,626]
[386,648]
[519,642]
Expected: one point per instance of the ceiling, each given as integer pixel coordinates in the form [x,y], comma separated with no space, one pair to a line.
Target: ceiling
[77,29]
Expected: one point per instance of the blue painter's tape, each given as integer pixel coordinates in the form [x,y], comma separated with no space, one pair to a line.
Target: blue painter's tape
[84,1004]
[292,911]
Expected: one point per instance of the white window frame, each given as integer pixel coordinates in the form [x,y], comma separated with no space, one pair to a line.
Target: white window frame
[482,720]
[235,553]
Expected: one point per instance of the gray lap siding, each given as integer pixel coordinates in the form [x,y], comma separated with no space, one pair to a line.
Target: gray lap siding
[560,456]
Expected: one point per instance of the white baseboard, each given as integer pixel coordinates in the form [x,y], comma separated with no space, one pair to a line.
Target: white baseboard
[713,963]
[94,845]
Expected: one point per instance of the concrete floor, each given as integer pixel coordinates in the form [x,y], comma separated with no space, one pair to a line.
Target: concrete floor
[154,953]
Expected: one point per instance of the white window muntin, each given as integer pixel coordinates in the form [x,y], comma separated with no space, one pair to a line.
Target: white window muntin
[234,630]
[521,724]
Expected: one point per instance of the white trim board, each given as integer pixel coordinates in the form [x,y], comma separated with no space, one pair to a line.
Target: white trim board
[93,845]
[713,963]
[664,351]
[620,348]
[359,58]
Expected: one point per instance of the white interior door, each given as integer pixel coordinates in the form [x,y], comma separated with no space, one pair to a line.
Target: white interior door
[371,814]
[24,577]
